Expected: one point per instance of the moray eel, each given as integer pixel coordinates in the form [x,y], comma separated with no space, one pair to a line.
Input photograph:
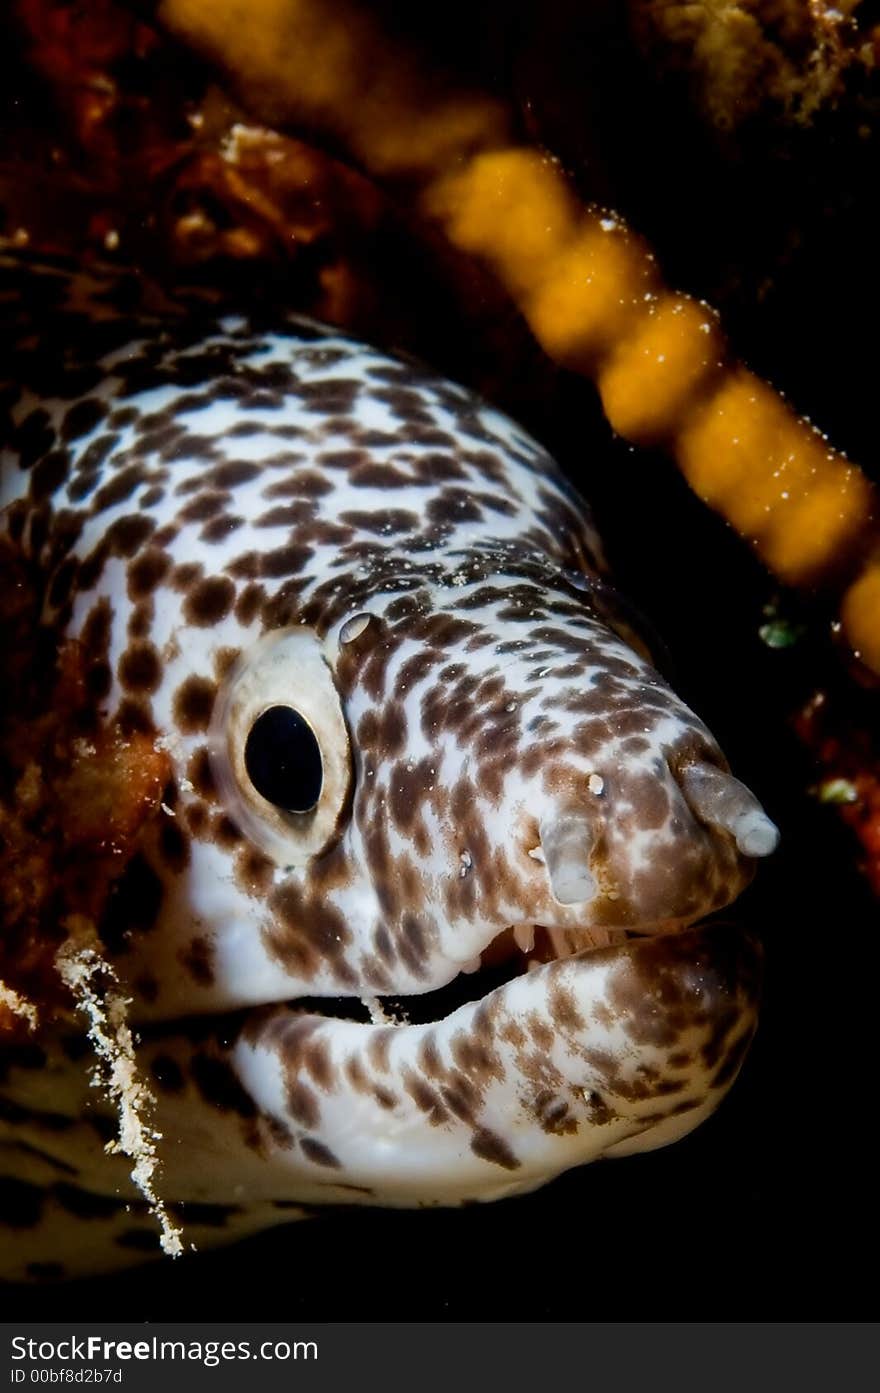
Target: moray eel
[409,733]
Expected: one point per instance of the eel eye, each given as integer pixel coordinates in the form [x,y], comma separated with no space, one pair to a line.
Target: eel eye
[283,760]
[280,749]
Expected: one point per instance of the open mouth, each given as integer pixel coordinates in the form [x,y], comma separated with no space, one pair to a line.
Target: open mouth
[538,1061]
[516,951]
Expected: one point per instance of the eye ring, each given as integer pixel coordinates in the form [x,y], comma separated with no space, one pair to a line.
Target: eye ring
[303,764]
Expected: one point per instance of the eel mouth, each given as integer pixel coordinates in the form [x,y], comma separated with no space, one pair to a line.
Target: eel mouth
[519,950]
[730,829]
[601,1051]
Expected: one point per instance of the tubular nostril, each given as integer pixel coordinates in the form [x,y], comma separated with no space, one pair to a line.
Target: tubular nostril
[720,800]
[567,841]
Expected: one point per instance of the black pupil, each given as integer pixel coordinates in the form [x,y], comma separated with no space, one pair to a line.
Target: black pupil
[283,760]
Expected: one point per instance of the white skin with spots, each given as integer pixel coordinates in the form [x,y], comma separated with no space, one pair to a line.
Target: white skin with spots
[401,565]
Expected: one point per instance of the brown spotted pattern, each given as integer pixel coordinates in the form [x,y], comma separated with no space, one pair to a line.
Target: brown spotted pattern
[197,490]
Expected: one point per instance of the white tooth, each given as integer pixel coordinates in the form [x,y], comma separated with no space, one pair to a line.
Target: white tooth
[472,966]
[524,937]
[722,801]
[537,854]
[567,840]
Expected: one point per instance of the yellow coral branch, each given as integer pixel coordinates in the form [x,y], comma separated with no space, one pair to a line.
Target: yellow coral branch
[591,293]
[588,287]
[328,65]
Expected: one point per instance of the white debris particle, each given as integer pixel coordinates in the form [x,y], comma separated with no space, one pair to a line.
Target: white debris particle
[466,863]
[168,811]
[596,784]
[18,1005]
[94,985]
[511,706]
[376,1011]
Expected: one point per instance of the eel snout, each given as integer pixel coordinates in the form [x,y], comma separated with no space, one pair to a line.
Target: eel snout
[656,850]
[625,1048]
